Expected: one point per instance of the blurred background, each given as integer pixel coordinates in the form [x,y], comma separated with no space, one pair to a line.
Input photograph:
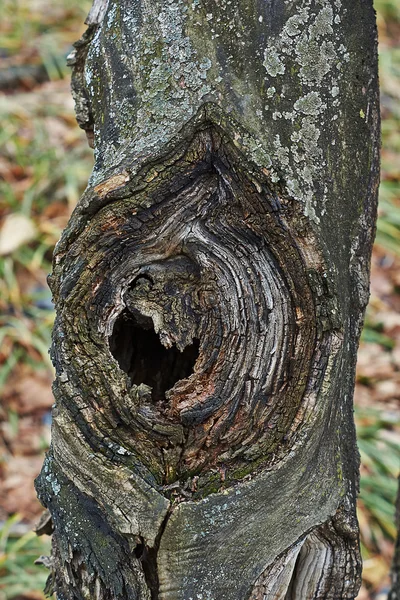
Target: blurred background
[44,166]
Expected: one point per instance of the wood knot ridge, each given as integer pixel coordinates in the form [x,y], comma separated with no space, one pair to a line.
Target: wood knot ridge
[202,319]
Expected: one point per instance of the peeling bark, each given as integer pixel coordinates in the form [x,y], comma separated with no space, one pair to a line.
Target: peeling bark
[210,290]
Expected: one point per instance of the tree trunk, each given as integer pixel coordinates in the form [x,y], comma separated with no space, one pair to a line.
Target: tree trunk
[210,290]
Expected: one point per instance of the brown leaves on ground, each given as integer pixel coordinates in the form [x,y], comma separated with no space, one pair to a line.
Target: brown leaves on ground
[24,436]
[44,167]
[378,365]
[378,388]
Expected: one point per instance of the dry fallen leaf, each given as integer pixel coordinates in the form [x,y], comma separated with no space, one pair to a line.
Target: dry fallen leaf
[375,571]
[16,230]
[17,493]
[34,394]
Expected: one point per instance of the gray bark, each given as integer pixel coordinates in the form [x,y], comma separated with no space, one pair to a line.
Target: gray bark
[210,290]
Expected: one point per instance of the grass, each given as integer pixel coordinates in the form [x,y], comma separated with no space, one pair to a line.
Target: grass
[41,31]
[44,167]
[388,230]
[18,573]
[380,459]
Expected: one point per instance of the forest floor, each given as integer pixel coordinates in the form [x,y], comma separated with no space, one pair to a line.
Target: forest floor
[44,166]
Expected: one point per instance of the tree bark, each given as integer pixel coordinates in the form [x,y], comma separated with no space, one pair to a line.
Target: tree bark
[210,290]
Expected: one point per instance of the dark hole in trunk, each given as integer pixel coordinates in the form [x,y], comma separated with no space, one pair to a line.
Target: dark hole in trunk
[139,352]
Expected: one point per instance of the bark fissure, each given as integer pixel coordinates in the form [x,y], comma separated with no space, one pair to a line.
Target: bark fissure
[149,560]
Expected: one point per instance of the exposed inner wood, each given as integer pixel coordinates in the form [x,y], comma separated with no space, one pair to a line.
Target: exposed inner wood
[211,291]
[323,564]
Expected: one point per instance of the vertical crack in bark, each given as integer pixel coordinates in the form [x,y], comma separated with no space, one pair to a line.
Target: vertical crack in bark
[148,559]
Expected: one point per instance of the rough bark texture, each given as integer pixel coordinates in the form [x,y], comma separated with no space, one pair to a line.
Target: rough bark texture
[210,290]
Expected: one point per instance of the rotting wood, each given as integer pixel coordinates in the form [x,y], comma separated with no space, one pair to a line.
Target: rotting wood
[210,290]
